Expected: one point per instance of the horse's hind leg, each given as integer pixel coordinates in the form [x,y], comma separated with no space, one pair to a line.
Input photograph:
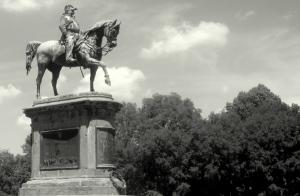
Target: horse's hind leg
[55,75]
[41,71]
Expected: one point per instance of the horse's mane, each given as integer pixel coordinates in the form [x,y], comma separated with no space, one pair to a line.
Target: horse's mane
[96,26]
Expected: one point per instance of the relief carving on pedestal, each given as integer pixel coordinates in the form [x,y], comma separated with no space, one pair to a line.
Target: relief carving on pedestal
[60,149]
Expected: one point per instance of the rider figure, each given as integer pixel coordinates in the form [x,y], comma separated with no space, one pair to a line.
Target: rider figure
[70,31]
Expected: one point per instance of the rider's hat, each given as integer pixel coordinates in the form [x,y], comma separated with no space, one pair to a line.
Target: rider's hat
[70,7]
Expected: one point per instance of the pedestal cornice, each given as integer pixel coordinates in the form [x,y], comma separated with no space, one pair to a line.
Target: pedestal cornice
[93,99]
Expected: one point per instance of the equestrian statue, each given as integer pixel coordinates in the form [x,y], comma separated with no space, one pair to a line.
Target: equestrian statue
[74,49]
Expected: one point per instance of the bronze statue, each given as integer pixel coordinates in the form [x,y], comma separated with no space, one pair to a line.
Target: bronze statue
[70,31]
[88,51]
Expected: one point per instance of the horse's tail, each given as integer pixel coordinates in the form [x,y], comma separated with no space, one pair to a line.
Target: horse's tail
[31,49]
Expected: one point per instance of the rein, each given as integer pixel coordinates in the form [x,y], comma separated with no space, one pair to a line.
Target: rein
[93,47]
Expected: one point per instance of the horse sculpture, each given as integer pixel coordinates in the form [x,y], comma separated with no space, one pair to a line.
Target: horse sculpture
[88,51]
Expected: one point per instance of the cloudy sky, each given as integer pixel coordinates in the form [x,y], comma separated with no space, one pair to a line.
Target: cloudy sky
[206,50]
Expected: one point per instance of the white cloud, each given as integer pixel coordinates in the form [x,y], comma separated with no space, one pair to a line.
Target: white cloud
[126,83]
[182,38]
[23,121]
[24,5]
[8,92]
[62,79]
[242,16]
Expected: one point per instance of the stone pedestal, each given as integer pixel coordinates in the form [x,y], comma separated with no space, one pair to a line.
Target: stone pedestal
[73,145]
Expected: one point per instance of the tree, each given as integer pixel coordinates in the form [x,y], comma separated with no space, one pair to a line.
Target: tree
[265,132]
[14,170]
[6,172]
[152,143]
[250,148]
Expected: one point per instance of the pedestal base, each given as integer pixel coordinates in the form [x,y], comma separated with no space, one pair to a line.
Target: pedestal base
[73,146]
[74,186]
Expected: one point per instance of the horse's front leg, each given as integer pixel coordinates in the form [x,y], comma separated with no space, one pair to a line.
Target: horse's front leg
[103,66]
[107,79]
[93,64]
[93,71]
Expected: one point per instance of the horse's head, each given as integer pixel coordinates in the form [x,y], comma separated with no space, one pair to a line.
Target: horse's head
[107,29]
[111,31]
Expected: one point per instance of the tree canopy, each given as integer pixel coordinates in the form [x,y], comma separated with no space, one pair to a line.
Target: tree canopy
[250,148]
[14,170]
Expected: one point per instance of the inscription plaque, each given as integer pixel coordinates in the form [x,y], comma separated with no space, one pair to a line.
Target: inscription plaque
[104,146]
[59,149]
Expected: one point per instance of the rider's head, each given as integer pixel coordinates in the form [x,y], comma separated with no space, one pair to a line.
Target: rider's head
[69,9]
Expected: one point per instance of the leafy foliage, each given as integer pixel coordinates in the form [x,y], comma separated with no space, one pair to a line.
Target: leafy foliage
[251,148]
[14,170]
[153,140]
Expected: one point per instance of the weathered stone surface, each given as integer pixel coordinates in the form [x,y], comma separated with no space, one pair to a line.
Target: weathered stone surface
[71,186]
[73,140]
